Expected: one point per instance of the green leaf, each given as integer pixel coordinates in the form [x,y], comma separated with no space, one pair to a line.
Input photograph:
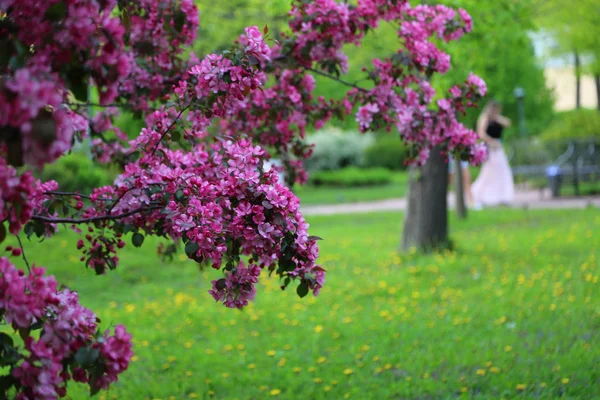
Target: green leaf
[39,228]
[2,232]
[6,382]
[86,356]
[56,12]
[286,264]
[137,239]
[179,196]
[179,20]
[6,340]
[302,289]
[191,248]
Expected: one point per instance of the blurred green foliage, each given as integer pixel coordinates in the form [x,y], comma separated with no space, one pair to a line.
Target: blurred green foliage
[387,152]
[352,177]
[335,149]
[574,124]
[77,172]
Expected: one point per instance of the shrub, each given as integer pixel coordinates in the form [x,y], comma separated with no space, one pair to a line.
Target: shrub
[335,149]
[76,172]
[352,176]
[531,152]
[387,152]
[574,124]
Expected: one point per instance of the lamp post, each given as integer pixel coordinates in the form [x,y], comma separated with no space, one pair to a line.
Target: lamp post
[520,95]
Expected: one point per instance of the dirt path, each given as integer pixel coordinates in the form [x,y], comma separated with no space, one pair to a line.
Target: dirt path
[523,199]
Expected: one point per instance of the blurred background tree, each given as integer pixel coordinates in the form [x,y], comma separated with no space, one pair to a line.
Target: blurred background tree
[575,26]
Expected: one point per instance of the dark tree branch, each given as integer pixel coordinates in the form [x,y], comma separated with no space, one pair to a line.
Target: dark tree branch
[93,219]
[170,127]
[23,253]
[335,78]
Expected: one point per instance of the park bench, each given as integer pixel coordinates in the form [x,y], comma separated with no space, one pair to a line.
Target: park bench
[578,163]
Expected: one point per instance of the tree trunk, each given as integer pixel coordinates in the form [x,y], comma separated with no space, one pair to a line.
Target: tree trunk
[597,80]
[577,81]
[459,189]
[426,220]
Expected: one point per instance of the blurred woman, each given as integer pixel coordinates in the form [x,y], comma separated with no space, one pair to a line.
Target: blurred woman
[494,185]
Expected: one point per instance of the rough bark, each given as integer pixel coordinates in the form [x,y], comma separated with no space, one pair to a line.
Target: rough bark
[459,188]
[426,219]
[577,81]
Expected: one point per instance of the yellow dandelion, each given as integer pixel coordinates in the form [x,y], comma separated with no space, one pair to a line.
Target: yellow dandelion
[318,328]
[321,360]
[188,345]
[172,358]
[327,388]
[130,308]
[348,371]
[134,358]
[297,369]
[387,366]
[494,370]
[543,384]
[564,381]
[251,366]
[188,373]
[240,347]
[275,392]
[508,349]
[211,393]
[521,386]
[166,366]
[317,380]
[282,362]
[464,389]
[346,395]
[193,395]
[312,369]
[271,353]
[225,375]
[480,372]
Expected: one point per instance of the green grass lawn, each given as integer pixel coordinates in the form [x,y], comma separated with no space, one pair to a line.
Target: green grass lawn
[310,194]
[513,313]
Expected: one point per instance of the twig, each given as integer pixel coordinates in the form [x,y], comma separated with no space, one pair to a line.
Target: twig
[170,127]
[92,219]
[23,253]
[343,82]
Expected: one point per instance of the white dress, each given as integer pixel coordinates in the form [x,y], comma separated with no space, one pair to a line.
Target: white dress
[495,185]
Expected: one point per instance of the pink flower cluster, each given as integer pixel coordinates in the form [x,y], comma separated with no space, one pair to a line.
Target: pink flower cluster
[15,194]
[159,33]
[69,330]
[254,45]
[237,288]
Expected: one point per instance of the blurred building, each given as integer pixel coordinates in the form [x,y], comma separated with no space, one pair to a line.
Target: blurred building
[560,75]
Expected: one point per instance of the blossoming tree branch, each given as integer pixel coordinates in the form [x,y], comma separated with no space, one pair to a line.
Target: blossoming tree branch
[194,174]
